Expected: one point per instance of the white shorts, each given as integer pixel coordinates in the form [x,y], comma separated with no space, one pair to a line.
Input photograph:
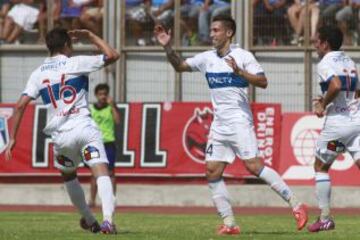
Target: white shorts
[224,147]
[334,140]
[81,144]
[25,16]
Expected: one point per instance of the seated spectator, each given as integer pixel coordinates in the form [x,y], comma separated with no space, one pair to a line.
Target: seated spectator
[355,4]
[22,17]
[210,9]
[67,12]
[92,16]
[328,9]
[269,21]
[347,18]
[135,16]
[297,14]
[189,16]
[146,14]
[4,9]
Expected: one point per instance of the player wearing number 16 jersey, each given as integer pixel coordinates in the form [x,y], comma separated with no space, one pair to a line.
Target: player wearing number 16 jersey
[339,104]
[62,82]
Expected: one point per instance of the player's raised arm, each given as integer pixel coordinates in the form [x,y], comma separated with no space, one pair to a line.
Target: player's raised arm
[111,55]
[164,38]
[17,116]
[253,79]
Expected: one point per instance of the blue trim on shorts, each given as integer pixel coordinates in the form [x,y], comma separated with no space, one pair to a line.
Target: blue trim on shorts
[323,180]
[261,171]
[216,180]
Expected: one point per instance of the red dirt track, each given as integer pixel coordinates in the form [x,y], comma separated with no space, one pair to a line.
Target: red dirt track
[172,210]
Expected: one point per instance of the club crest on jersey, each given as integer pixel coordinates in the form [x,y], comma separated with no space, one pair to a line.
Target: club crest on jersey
[5,114]
[195,134]
[336,146]
[64,161]
[91,152]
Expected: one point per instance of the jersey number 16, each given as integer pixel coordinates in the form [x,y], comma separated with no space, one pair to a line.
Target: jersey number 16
[64,89]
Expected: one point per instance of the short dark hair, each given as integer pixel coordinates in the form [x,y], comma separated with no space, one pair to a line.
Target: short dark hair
[331,34]
[56,40]
[102,86]
[228,22]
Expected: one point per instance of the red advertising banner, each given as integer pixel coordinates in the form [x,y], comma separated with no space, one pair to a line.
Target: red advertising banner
[298,139]
[164,139]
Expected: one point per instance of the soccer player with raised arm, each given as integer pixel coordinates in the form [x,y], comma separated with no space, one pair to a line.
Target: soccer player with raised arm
[229,70]
[338,80]
[62,82]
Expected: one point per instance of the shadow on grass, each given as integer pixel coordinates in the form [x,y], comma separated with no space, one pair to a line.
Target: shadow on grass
[269,233]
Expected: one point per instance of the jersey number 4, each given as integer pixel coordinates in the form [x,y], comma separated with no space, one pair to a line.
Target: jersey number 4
[64,89]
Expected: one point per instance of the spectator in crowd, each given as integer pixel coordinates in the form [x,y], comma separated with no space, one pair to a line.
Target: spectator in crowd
[136,15]
[328,9]
[146,13]
[4,9]
[67,12]
[162,11]
[347,18]
[106,116]
[22,17]
[189,16]
[92,16]
[297,14]
[269,21]
[211,9]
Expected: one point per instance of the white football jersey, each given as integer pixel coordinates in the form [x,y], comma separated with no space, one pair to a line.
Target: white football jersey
[344,107]
[229,92]
[63,85]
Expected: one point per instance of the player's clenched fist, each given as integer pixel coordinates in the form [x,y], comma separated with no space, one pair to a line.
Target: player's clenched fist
[318,107]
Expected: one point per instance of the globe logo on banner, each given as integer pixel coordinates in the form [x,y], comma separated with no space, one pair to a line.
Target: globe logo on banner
[195,134]
[304,145]
[5,114]
[303,138]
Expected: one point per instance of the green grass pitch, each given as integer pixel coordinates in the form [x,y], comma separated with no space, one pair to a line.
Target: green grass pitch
[63,226]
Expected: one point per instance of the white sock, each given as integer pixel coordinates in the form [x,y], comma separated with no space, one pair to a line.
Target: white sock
[106,195]
[272,178]
[323,192]
[221,199]
[77,197]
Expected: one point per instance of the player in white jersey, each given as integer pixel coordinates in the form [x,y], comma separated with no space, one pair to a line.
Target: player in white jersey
[229,70]
[341,132]
[62,82]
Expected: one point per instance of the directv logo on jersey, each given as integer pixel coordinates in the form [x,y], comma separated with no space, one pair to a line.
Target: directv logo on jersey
[225,79]
[5,114]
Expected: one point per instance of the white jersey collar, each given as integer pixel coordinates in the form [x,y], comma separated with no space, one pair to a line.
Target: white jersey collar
[55,58]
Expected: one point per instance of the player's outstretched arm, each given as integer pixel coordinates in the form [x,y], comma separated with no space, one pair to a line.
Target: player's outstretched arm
[111,54]
[17,116]
[164,38]
[255,80]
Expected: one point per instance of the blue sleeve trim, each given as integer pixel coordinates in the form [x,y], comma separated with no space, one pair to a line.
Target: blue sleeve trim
[25,94]
[329,78]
